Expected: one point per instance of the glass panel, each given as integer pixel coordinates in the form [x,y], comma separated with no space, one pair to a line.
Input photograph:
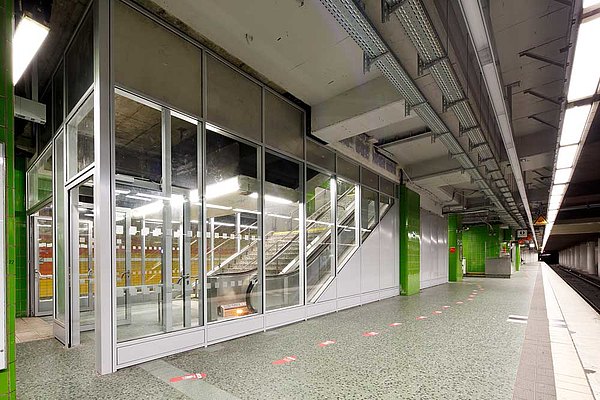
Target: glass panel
[42,257]
[39,180]
[369,206]
[233,101]
[283,194]
[184,153]
[386,186]
[319,155]
[59,226]
[138,141]
[83,270]
[385,203]
[80,136]
[234,281]
[347,169]
[154,61]
[79,63]
[369,178]
[57,95]
[347,237]
[319,228]
[284,125]
[46,132]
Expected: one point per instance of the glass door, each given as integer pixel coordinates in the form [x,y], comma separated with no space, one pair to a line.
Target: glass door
[81,260]
[41,261]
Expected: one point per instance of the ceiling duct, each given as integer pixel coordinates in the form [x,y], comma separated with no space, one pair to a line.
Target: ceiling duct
[376,52]
[433,57]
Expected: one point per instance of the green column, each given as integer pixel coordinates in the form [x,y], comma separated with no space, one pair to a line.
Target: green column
[21,239]
[410,241]
[7,376]
[454,264]
[517,257]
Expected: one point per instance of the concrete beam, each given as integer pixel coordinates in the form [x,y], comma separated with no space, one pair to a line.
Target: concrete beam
[367,107]
[576,228]
[540,142]
[432,166]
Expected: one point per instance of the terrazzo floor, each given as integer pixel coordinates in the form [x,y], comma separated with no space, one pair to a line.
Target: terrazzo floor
[464,349]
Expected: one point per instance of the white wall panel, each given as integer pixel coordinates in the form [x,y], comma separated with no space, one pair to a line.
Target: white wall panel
[348,279]
[434,249]
[369,257]
[388,239]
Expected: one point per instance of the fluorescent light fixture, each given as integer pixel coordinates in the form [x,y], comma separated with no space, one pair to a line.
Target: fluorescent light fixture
[130,196]
[566,156]
[558,190]
[121,191]
[222,188]
[147,209]
[572,129]
[153,196]
[272,199]
[590,3]
[554,203]
[27,40]
[217,207]
[562,175]
[585,73]
[194,196]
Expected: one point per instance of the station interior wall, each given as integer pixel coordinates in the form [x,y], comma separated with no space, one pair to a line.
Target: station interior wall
[480,242]
[434,249]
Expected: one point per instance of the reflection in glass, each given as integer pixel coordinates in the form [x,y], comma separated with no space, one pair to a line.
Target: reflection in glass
[80,138]
[39,180]
[319,227]
[41,255]
[232,219]
[369,206]
[83,256]
[385,203]
[347,237]
[138,139]
[282,232]
[60,229]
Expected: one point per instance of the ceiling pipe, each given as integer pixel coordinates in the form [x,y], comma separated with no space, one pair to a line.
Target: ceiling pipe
[480,37]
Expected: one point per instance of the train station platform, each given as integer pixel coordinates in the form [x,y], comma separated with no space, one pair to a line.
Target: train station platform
[527,337]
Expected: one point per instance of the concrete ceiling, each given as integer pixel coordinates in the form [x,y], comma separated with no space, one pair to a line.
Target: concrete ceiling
[295,43]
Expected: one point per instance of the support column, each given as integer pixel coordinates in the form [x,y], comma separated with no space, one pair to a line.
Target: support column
[7,376]
[517,257]
[576,257]
[410,241]
[105,320]
[591,264]
[454,261]
[583,257]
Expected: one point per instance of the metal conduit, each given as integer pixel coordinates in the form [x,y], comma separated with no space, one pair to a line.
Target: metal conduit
[352,18]
[416,23]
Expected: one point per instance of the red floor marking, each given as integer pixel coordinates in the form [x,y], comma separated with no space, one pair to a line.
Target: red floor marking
[368,334]
[395,324]
[459,302]
[445,307]
[188,377]
[421,318]
[285,360]
[470,299]
[326,343]
[436,312]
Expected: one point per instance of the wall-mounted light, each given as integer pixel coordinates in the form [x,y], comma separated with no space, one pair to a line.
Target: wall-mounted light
[27,40]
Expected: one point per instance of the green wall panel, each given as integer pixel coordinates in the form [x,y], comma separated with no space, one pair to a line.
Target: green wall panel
[7,376]
[480,242]
[454,236]
[21,238]
[517,257]
[410,241]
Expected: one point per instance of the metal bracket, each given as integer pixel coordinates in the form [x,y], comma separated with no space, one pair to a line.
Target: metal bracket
[409,107]
[423,66]
[388,7]
[462,130]
[434,136]
[483,160]
[446,105]
[476,145]
[368,61]
[541,58]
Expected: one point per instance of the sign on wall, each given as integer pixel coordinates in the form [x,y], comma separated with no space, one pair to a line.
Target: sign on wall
[521,233]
